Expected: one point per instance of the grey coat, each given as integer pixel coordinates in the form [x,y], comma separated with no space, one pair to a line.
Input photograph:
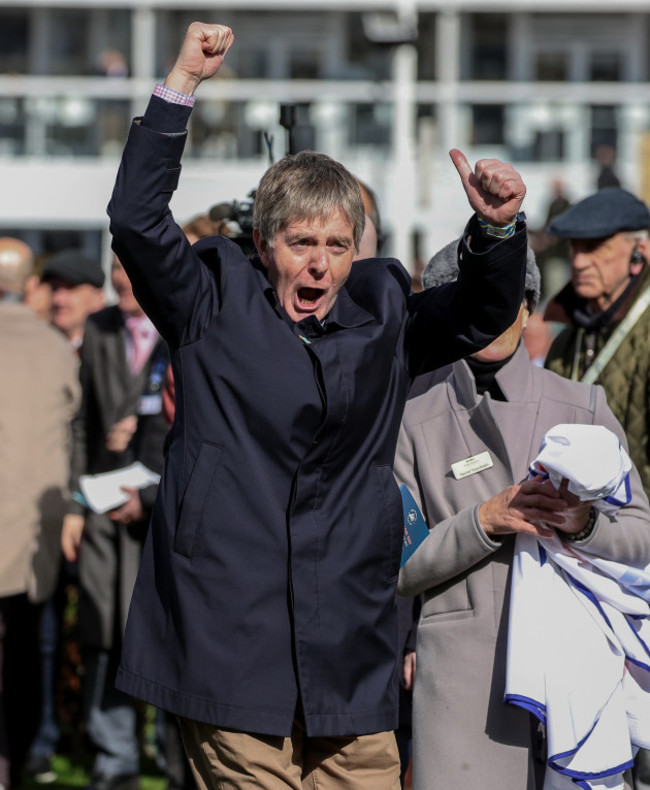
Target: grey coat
[465,736]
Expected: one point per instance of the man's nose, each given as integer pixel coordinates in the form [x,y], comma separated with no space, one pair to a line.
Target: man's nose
[579,260]
[319,262]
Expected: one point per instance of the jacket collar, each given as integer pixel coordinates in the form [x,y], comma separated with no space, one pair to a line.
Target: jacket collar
[346,313]
[509,440]
[16,311]
[514,379]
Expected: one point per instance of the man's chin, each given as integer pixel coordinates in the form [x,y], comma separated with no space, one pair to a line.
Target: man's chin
[300,315]
[585,292]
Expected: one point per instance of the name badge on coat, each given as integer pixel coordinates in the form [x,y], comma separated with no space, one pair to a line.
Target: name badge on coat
[151,403]
[472,465]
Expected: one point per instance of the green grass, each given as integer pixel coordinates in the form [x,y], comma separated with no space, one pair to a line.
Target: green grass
[72,775]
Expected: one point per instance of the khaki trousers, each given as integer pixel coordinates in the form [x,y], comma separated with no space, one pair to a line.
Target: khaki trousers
[231,760]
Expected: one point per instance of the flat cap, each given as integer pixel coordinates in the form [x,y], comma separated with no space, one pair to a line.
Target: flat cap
[600,215]
[74,267]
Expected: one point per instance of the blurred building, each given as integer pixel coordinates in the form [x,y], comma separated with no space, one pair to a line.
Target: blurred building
[386,86]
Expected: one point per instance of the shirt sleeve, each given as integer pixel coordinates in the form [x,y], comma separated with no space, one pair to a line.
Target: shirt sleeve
[168,117]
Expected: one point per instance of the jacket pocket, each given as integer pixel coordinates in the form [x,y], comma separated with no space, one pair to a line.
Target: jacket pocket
[197,494]
[450,600]
[391,519]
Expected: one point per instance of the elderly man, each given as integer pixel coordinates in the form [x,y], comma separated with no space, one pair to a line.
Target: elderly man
[605,305]
[77,281]
[468,436]
[264,613]
[39,395]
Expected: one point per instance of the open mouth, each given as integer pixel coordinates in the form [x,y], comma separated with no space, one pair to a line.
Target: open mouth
[308,297]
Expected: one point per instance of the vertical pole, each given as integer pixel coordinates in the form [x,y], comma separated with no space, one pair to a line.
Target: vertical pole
[402,195]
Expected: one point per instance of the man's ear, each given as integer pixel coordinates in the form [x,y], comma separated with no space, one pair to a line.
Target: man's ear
[639,257]
[31,284]
[262,247]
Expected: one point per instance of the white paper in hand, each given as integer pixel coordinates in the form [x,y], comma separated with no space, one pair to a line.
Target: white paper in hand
[103,492]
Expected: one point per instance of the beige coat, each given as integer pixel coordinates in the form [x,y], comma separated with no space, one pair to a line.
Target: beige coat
[38,396]
[464,735]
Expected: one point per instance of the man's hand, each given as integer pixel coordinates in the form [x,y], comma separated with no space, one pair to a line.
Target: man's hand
[71,534]
[408,670]
[494,188]
[577,513]
[201,56]
[130,511]
[120,434]
[520,507]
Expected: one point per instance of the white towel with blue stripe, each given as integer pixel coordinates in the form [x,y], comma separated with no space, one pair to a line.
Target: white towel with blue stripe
[579,653]
[591,458]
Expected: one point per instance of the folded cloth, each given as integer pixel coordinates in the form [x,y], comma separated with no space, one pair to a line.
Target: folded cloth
[579,660]
[579,633]
[591,458]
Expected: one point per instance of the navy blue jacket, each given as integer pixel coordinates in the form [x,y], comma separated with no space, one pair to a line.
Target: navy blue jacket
[269,572]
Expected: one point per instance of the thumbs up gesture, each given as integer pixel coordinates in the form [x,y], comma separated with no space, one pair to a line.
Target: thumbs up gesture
[494,189]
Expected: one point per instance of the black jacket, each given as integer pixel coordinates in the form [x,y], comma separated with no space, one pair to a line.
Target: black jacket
[110,553]
[269,572]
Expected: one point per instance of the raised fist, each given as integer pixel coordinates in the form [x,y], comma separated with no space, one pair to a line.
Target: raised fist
[201,56]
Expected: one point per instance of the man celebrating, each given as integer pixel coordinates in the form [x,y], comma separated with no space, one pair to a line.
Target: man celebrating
[264,612]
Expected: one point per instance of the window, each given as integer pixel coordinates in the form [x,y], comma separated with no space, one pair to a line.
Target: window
[604,127]
[548,146]
[488,120]
[488,47]
[371,124]
[12,126]
[426,46]
[366,60]
[605,67]
[46,242]
[551,66]
[304,64]
[14,34]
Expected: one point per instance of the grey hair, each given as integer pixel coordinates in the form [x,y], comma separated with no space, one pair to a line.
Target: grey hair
[443,268]
[306,185]
[636,235]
